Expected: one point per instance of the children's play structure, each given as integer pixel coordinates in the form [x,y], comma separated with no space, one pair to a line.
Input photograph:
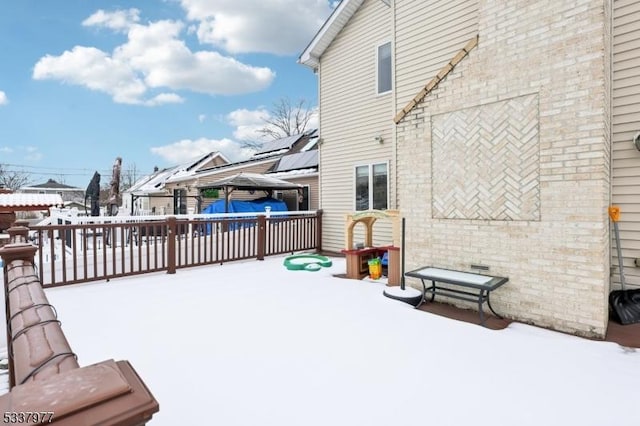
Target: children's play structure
[358,257]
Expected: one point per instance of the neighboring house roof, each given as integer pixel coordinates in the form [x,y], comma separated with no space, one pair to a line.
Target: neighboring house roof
[269,152]
[226,167]
[329,30]
[279,144]
[154,183]
[312,144]
[24,201]
[185,173]
[51,185]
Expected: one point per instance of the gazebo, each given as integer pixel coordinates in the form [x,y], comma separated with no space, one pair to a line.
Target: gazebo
[248,182]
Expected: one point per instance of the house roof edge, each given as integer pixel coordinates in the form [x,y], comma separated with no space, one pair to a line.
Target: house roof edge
[310,57]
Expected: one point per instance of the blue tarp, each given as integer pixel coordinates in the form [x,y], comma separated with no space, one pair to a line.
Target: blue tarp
[238,206]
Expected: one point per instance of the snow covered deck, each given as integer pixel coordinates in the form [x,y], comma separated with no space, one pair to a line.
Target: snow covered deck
[253,343]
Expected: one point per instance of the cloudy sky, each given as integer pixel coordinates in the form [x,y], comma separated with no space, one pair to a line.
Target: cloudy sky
[155,82]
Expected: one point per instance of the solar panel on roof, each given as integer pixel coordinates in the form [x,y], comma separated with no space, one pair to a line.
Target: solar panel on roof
[300,160]
[278,144]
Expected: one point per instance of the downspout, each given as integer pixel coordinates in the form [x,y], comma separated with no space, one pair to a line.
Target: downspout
[394,104]
[609,261]
[318,77]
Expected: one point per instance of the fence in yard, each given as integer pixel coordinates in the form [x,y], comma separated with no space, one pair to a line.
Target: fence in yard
[80,249]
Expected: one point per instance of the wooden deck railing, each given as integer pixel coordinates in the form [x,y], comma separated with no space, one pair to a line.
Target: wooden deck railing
[47,385]
[88,249]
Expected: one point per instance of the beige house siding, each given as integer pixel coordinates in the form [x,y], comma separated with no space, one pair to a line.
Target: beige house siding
[160,204]
[536,211]
[312,182]
[352,115]
[626,123]
[215,161]
[428,35]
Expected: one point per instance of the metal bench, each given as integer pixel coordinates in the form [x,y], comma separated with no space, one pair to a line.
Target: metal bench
[475,288]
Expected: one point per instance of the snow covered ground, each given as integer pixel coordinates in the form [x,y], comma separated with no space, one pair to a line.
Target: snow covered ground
[251,343]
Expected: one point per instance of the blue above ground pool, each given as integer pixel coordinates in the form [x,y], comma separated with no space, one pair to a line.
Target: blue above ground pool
[240,206]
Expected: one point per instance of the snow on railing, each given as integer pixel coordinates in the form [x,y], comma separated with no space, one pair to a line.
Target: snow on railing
[77,220]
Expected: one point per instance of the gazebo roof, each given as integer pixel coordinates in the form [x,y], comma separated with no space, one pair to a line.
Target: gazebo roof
[251,181]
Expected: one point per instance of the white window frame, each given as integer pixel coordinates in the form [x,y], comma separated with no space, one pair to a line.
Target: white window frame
[378,46]
[370,176]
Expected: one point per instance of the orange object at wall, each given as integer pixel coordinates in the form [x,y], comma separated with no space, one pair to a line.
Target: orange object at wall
[614,213]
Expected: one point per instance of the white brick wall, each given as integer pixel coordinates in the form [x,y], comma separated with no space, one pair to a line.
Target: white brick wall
[559,265]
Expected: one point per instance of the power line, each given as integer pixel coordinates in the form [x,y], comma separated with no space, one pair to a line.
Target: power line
[59,171]
[26,166]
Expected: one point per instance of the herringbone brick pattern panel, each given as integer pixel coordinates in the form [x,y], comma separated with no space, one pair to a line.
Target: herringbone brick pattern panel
[485,161]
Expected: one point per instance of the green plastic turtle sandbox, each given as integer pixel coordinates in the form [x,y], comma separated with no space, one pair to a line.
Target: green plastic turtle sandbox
[306,262]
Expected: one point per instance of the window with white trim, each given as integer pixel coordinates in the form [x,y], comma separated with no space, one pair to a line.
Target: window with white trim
[372,187]
[384,68]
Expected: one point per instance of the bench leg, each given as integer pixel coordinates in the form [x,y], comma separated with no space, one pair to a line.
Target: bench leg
[432,289]
[421,302]
[480,303]
[489,303]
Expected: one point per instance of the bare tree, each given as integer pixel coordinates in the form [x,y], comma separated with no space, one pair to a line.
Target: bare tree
[129,176]
[287,119]
[13,179]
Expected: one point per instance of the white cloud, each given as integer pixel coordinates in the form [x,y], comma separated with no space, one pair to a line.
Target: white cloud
[6,150]
[164,98]
[247,123]
[314,121]
[32,153]
[3,98]
[269,26]
[120,20]
[96,70]
[202,118]
[186,150]
[153,58]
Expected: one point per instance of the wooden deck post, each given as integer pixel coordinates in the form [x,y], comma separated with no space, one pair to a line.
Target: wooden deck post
[18,234]
[171,244]
[262,236]
[319,231]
